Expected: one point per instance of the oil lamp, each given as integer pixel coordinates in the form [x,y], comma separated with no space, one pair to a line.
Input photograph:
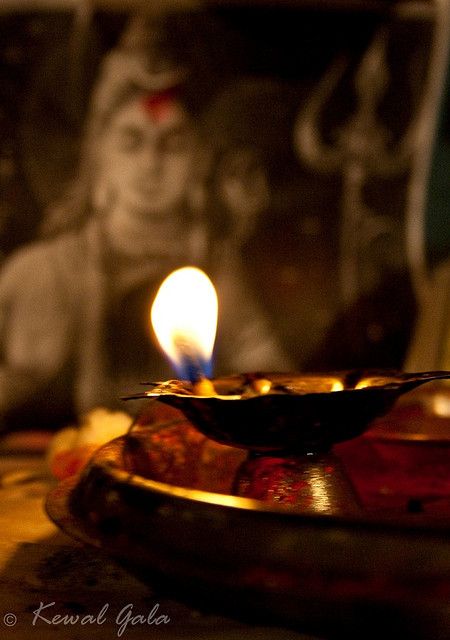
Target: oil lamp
[288,422]
[162,500]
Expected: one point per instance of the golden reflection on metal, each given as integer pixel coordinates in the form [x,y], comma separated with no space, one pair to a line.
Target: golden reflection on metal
[337,386]
[319,491]
[378,381]
[440,405]
[195,495]
[243,386]
[261,386]
[204,387]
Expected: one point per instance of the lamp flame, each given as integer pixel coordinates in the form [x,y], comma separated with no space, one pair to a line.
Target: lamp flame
[184,319]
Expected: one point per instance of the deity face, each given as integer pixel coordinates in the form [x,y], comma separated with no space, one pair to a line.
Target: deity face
[146,156]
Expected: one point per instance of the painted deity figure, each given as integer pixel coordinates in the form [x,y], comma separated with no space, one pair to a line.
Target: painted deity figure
[74,306]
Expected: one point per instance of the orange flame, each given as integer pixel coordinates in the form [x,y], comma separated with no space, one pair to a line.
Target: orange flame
[184,319]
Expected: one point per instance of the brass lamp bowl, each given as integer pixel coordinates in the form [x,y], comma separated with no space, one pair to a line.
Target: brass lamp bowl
[290,412]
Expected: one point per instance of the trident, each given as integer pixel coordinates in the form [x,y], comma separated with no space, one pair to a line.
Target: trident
[361,151]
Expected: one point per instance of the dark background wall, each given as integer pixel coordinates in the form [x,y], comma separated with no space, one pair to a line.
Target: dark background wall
[48,63]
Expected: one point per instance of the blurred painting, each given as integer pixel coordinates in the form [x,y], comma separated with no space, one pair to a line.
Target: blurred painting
[275,148]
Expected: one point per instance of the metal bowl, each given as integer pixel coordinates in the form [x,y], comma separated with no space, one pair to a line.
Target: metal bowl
[355,577]
[297,413]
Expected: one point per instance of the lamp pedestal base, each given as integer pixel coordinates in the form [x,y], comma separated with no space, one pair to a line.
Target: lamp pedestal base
[315,483]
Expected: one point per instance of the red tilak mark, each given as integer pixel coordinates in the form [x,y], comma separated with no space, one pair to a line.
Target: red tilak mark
[160,106]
